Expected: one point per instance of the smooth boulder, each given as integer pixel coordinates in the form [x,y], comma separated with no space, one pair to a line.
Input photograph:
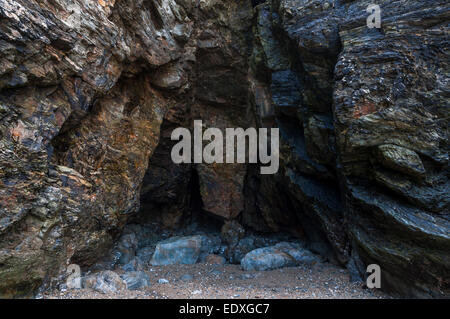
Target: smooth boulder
[278,256]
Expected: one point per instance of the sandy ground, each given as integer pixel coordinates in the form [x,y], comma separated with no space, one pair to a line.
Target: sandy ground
[230,282]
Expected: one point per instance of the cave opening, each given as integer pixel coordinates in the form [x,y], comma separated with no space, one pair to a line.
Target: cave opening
[172,209]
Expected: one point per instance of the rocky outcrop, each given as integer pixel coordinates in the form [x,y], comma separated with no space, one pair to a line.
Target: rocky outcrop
[85,87]
[90,92]
[367,156]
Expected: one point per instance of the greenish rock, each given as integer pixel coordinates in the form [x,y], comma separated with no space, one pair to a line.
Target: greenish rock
[401,159]
[177,250]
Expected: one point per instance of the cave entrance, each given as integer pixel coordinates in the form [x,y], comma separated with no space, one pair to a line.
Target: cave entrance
[173,228]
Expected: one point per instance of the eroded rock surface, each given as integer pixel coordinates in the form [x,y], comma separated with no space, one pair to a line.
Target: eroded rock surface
[90,92]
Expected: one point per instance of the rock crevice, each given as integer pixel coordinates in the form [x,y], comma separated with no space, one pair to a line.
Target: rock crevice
[90,92]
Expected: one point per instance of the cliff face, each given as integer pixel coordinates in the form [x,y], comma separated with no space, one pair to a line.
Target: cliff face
[90,92]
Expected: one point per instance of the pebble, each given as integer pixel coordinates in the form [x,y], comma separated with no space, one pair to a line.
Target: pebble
[186,278]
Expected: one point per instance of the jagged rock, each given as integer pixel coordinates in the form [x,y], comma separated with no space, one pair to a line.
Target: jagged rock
[215,260]
[186,278]
[145,255]
[299,253]
[286,93]
[382,118]
[105,282]
[184,250]
[232,232]
[136,280]
[182,32]
[277,59]
[210,245]
[319,139]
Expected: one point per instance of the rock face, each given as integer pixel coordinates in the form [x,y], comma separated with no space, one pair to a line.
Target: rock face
[90,92]
[363,119]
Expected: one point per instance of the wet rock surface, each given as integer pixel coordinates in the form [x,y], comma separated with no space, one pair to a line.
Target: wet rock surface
[90,92]
[177,250]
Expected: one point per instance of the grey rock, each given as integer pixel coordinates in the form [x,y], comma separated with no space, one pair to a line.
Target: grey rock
[401,159]
[186,278]
[215,260]
[136,280]
[245,245]
[247,276]
[232,232]
[182,32]
[145,255]
[210,245]
[278,256]
[177,250]
[105,282]
[300,254]
[132,265]
[287,93]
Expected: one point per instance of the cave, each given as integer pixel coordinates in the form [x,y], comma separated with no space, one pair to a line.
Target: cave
[87,180]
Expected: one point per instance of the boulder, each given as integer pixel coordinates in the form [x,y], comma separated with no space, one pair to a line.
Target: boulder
[177,250]
[186,278]
[278,256]
[401,159]
[136,280]
[267,258]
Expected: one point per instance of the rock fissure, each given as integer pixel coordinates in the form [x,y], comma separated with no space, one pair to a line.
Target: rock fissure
[91,91]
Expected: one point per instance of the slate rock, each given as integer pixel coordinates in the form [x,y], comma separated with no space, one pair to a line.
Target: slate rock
[136,280]
[177,250]
[278,256]
[105,282]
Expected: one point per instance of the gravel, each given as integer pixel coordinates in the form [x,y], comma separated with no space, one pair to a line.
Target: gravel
[319,281]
